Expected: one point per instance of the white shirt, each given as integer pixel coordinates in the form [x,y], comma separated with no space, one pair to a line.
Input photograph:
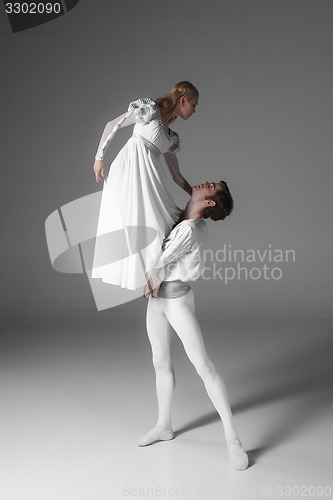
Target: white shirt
[181,254]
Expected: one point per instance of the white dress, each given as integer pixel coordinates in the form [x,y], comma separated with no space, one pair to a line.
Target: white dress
[136,211]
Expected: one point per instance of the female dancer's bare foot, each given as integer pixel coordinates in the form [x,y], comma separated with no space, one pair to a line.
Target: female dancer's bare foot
[156,434]
[238,456]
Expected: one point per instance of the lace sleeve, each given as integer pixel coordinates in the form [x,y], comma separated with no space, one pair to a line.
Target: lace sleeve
[173,166]
[175,147]
[111,128]
[145,109]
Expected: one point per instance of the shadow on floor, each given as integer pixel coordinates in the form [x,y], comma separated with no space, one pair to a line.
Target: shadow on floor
[300,379]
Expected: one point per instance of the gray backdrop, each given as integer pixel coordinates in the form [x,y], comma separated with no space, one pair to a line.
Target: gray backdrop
[263,123]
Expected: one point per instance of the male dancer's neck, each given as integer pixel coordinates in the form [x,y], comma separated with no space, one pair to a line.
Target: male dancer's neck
[192,211]
[181,218]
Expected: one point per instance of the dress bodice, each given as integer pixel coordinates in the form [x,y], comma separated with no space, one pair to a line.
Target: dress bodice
[155,133]
[149,125]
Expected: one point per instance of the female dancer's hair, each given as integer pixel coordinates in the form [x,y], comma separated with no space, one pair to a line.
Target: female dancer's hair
[169,102]
[224,204]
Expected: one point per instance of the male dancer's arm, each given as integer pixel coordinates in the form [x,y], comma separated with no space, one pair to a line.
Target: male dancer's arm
[175,245]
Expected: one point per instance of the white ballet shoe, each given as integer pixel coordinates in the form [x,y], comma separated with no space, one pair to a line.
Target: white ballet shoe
[238,456]
[155,435]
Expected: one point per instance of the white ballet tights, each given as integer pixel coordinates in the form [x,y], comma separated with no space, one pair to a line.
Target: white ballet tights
[179,313]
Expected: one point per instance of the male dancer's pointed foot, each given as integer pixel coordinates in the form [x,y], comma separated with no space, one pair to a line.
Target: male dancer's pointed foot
[155,435]
[238,456]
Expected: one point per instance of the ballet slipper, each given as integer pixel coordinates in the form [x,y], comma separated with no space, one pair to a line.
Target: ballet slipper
[238,456]
[155,435]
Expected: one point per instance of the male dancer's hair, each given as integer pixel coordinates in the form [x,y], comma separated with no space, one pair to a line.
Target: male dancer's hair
[224,204]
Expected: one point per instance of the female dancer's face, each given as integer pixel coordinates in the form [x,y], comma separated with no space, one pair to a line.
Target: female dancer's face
[187,107]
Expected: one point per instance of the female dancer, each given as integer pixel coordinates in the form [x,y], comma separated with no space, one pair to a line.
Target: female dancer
[135,198]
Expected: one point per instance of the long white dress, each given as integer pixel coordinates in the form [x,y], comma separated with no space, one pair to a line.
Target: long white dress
[137,211]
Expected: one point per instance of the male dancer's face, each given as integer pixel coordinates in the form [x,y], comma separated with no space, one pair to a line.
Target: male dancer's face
[205,190]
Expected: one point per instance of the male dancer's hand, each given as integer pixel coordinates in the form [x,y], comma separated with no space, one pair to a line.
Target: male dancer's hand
[153,284]
[148,290]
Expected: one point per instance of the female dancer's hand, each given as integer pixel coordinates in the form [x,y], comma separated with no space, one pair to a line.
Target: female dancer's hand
[99,169]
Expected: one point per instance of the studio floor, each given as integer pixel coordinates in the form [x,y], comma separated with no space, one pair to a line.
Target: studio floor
[76,394]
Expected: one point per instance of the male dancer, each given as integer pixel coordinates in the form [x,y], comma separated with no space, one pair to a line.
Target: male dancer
[171,302]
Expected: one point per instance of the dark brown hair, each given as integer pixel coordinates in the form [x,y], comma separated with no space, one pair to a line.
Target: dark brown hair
[224,204]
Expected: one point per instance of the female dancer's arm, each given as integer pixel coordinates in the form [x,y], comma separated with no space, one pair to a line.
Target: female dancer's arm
[173,166]
[111,128]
